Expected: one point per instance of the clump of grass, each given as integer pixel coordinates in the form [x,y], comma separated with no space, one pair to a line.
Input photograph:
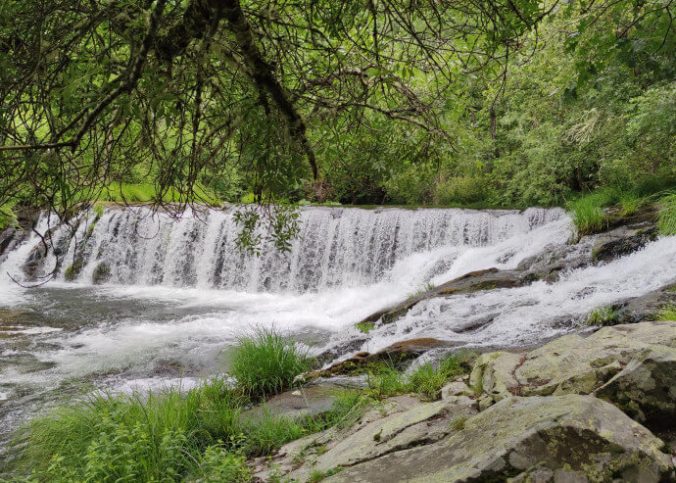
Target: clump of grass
[428,380]
[603,316]
[385,381]
[266,363]
[667,313]
[587,211]
[666,222]
[365,327]
[268,432]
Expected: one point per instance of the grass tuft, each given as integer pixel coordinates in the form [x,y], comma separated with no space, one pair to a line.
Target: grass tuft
[266,363]
[603,316]
[667,313]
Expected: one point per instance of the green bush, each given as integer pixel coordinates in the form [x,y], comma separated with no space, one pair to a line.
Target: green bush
[266,363]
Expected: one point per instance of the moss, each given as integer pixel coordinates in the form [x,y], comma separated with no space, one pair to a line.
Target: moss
[101,273]
[73,270]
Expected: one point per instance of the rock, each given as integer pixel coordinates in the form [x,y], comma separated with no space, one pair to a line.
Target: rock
[455,389]
[646,389]
[397,354]
[608,361]
[307,401]
[548,439]
[423,423]
[645,307]
[623,241]
[101,274]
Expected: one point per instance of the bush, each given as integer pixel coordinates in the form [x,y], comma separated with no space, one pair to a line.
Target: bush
[266,363]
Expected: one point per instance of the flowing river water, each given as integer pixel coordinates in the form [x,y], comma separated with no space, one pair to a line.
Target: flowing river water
[178,292]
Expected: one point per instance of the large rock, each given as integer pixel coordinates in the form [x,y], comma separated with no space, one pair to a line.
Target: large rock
[547,439]
[610,361]
[407,424]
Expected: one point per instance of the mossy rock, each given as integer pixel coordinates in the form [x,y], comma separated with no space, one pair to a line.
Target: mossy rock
[101,273]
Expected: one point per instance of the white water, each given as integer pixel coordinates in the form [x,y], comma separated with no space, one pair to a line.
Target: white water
[180,292]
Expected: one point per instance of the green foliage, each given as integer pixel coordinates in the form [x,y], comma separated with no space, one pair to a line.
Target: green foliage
[667,215]
[268,432]
[427,380]
[587,211]
[217,466]
[667,313]
[7,216]
[603,316]
[266,363]
[365,327]
[385,381]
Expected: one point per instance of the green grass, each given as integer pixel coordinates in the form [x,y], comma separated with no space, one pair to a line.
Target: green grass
[170,436]
[266,363]
[666,222]
[667,313]
[365,327]
[587,211]
[427,380]
[603,316]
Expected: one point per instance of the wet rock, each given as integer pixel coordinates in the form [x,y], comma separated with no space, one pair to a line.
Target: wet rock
[612,358]
[623,241]
[396,354]
[645,307]
[101,274]
[564,438]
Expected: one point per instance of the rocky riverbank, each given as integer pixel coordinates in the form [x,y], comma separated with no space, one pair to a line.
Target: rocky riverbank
[596,408]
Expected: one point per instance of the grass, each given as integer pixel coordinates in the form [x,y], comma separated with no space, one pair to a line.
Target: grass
[666,222]
[427,380]
[266,363]
[667,313]
[603,316]
[587,211]
[171,436]
[365,327]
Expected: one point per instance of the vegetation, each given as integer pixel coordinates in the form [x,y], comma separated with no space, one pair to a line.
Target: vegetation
[667,313]
[426,380]
[266,363]
[603,316]
[451,103]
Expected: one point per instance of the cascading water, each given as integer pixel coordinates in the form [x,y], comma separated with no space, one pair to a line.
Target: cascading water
[177,292]
[336,247]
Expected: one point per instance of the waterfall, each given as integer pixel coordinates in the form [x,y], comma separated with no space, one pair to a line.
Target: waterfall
[336,247]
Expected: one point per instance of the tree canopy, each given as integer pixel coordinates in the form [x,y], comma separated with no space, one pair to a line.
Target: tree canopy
[280,97]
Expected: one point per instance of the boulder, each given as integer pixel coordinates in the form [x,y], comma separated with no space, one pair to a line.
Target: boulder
[422,423]
[622,241]
[548,439]
[608,361]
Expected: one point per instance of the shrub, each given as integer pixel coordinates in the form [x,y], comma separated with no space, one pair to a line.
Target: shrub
[267,363]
